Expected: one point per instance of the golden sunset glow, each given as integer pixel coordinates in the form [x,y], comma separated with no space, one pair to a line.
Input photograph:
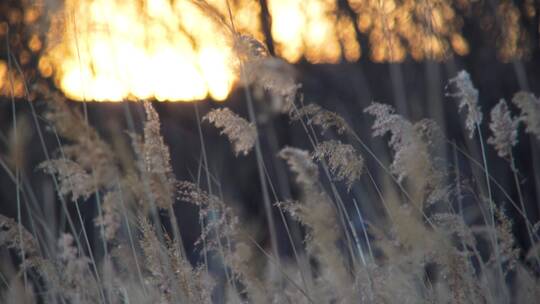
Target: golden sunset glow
[312,29]
[423,29]
[182,50]
[116,50]
[512,40]
[10,83]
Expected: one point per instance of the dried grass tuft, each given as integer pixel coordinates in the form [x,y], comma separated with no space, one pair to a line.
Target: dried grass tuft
[301,163]
[156,171]
[241,133]
[344,161]
[530,111]
[86,147]
[72,178]
[467,95]
[321,117]
[504,129]
[412,145]
[509,253]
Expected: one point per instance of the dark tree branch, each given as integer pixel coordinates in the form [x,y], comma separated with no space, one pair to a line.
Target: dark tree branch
[266,23]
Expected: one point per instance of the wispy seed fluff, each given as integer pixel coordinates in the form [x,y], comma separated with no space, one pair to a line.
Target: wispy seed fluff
[156,160]
[14,236]
[72,178]
[317,213]
[467,95]
[507,243]
[504,129]
[156,153]
[411,145]
[241,133]
[86,148]
[301,163]
[261,70]
[404,140]
[249,48]
[344,162]
[276,77]
[529,106]
[111,217]
[321,117]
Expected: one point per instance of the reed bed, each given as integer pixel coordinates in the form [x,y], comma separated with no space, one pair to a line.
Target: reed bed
[429,234]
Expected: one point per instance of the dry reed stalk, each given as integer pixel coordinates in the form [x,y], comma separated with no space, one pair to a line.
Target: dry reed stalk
[344,162]
[504,129]
[241,133]
[467,95]
[530,111]
[226,239]
[321,117]
[316,212]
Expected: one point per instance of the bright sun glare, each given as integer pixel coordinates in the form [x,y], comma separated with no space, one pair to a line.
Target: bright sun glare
[175,50]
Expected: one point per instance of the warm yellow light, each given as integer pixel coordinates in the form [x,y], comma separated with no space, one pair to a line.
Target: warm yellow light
[112,50]
[423,29]
[10,83]
[182,50]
